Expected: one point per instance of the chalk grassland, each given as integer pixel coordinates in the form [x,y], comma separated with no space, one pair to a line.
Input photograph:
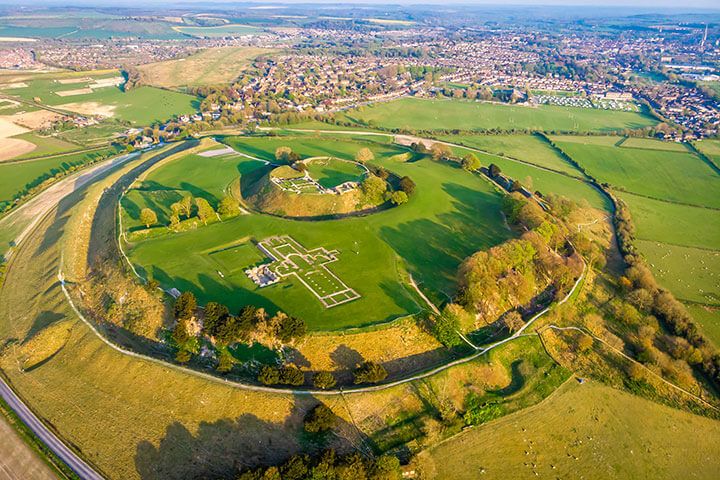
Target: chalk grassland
[140,106]
[667,175]
[542,180]
[425,114]
[700,279]
[452,211]
[529,148]
[681,242]
[709,319]
[230,30]
[153,422]
[207,67]
[15,176]
[582,428]
[673,223]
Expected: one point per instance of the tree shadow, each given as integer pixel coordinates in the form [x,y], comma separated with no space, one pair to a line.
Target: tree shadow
[222,448]
[41,321]
[346,358]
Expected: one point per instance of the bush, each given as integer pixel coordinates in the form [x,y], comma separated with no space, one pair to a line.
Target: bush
[324,380]
[320,419]
[370,372]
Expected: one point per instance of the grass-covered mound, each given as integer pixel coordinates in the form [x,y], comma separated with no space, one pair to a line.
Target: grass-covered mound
[450,215]
[314,187]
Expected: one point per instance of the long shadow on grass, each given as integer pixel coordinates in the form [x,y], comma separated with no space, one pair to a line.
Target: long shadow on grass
[222,448]
[433,249]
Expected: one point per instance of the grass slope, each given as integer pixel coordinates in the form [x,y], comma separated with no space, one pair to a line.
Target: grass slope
[424,114]
[583,431]
[667,175]
[455,214]
[207,67]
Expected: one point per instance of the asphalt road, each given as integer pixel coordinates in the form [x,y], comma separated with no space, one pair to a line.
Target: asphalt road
[82,469]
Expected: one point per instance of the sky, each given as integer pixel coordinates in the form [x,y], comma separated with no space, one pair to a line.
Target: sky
[680,5]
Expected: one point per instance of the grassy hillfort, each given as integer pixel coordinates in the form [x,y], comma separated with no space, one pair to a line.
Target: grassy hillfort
[209,274]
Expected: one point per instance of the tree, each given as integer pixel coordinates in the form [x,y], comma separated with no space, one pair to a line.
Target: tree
[513,321]
[174,221]
[148,217]
[269,375]
[290,328]
[180,333]
[398,197]
[374,188]
[407,185]
[370,372]
[215,315]
[185,306]
[186,205]
[470,162]
[282,154]
[440,151]
[324,380]
[320,419]
[228,206]
[445,328]
[183,356]
[225,361]
[205,210]
[364,155]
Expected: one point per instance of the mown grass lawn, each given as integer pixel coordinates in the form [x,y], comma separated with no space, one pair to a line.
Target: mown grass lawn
[451,215]
[425,114]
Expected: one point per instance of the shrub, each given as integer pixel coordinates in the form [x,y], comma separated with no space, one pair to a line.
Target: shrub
[324,380]
[320,419]
[370,372]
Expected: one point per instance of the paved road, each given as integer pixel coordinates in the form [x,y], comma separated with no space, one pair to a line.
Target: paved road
[82,469]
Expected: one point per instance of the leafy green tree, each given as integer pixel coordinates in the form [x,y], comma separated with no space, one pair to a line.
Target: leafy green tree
[470,162]
[282,154]
[513,321]
[374,187]
[183,356]
[445,328]
[290,328]
[228,206]
[407,185]
[225,360]
[215,315]
[186,205]
[148,217]
[370,372]
[269,375]
[205,210]
[291,375]
[398,197]
[320,419]
[440,151]
[185,306]
[364,155]
[324,380]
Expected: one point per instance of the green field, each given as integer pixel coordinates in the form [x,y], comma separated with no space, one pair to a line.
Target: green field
[673,223]
[456,213]
[650,144]
[528,148]
[709,320]
[220,31]
[582,428]
[330,172]
[140,106]
[424,114]
[543,180]
[699,281]
[15,176]
[667,175]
